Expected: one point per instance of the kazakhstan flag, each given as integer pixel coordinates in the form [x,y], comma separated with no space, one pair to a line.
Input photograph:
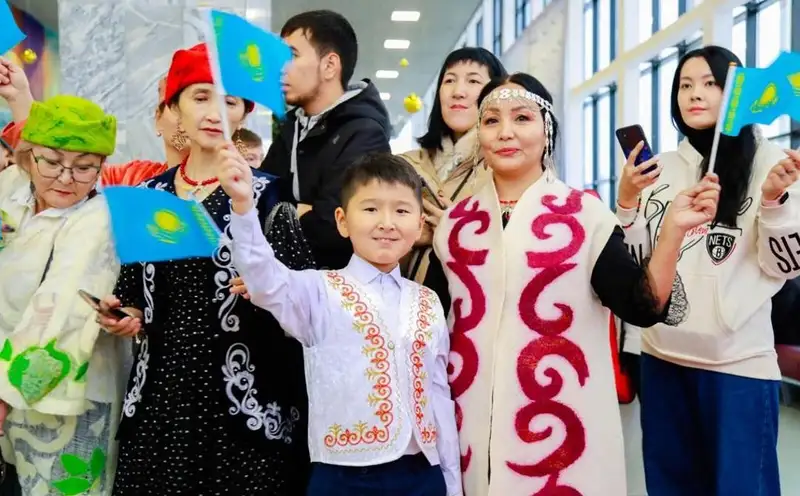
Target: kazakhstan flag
[153,226]
[251,60]
[759,96]
[10,35]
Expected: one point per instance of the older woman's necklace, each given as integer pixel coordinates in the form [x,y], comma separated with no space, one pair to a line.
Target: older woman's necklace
[192,186]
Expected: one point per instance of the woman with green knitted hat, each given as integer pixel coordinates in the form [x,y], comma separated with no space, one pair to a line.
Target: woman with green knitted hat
[59,374]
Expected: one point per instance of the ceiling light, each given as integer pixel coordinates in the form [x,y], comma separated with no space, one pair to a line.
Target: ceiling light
[387,74]
[396,44]
[386,96]
[405,16]
[256,14]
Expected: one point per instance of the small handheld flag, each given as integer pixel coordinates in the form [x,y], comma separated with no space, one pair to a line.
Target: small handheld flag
[246,60]
[10,34]
[152,226]
[758,96]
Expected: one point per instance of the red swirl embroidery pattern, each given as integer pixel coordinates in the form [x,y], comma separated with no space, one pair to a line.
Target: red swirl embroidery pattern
[378,354]
[461,344]
[421,336]
[549,341]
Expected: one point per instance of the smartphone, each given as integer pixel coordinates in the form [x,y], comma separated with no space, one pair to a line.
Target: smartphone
[629,137]
[431,196]
[94,302]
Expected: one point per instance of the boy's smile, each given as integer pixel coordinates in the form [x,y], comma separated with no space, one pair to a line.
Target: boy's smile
[383,220]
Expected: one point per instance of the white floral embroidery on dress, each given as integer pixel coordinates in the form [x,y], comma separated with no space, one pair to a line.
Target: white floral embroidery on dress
[223,259]
[134,395]
[238,372]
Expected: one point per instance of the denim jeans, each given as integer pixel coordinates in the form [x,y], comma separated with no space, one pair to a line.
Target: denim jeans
[706,433]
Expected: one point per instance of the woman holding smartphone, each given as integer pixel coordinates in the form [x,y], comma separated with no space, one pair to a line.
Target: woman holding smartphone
[710,383]
[216,399]
[447,160]
[58,373]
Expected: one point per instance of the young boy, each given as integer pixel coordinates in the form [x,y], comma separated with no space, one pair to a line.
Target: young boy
[249,145]
[381,421]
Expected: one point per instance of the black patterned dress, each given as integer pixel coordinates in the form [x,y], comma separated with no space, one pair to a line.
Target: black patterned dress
[216,401]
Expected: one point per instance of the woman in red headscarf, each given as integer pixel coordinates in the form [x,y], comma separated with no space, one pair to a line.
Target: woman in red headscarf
[216,399]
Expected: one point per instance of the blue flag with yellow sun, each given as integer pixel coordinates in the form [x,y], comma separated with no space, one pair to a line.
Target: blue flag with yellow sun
[10,34]
[759,96]
[153,226]
[250,60]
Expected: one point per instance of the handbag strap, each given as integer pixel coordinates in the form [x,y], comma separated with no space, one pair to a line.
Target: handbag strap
[47,265]
[50,256]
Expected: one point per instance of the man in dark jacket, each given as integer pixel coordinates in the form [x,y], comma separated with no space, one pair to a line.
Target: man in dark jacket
[332,124]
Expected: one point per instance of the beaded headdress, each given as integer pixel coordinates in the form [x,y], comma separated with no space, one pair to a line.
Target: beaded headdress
[534,101]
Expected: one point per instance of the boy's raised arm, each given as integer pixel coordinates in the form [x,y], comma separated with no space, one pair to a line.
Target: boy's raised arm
[295,298]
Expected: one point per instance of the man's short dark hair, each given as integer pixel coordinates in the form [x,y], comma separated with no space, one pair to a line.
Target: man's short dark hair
[328,32]
[248,137]
[382,167]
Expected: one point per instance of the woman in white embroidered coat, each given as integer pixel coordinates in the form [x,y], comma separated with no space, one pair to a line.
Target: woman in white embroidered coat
[710,382]
[216,399]
[530,264]
[58,373]
[447,160]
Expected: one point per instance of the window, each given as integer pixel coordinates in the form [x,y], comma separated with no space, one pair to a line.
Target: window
[655,95]
[600,37]
[645,20]
[588,41]
[479,33]
[658,14]
[600,144]
[646,100]
[605,33]
[668,12]
[668,135]
[497,36]
[761,30]
[588,148]
[522,16]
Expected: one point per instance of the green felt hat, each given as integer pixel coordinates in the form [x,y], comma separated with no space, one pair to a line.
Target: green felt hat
[71,123]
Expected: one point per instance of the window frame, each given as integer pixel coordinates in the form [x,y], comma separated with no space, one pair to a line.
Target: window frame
[612,42]
[592,101]
[522,16]
[497,27]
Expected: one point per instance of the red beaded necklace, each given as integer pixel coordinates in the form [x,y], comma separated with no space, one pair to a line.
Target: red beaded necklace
[192,182]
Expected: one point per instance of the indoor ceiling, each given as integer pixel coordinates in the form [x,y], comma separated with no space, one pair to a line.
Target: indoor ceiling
[440,25]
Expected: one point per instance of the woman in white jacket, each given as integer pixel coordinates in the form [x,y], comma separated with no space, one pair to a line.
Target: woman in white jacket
[710,384]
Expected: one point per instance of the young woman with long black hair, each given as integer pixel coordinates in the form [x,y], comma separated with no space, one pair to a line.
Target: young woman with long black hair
[710,383]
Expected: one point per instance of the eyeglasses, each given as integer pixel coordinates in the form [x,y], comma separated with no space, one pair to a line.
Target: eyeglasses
[52,169]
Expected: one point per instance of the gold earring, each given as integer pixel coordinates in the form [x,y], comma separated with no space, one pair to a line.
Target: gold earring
[179,139]
[240,146]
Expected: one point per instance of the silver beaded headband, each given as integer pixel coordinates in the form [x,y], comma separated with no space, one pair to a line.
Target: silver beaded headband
[526,98]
